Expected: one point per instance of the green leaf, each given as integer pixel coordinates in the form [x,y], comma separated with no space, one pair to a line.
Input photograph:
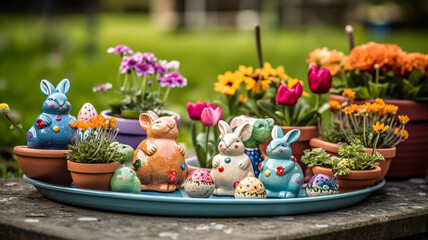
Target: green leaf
[416,76]
[252,105]
[200,153]
[269,109]
[362,93]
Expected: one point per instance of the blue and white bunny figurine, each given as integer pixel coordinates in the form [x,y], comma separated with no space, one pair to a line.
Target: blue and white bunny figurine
[51,129]
[280,173]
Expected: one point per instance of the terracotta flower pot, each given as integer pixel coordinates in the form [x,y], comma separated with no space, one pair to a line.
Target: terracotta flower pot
[410,160]
[48,166]
[193,164]
[356,180]
[307,132]
[130,131]
[333,148]
[92,175]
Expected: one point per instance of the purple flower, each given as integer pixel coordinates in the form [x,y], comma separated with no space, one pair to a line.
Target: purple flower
[143,68]
[159,68]
[127,63]
[120,50]
[103,87]
[173,80]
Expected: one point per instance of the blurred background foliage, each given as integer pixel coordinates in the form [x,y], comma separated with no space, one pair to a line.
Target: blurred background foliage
[68,39]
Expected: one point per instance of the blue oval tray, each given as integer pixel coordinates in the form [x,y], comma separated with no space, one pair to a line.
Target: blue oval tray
[179,204]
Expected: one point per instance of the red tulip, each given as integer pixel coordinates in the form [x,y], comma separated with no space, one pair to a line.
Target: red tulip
[195,110]
[290,96]
[319,79]
[211,116]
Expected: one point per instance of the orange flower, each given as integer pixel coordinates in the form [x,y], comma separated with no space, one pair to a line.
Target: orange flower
[403,132]
[404,119]
[380,128]
[348,110]
[332,60]
[73,124]
[334,105]
[407,63]
[347,92]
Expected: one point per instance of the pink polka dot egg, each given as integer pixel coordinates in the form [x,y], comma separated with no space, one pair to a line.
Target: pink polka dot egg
[199,184]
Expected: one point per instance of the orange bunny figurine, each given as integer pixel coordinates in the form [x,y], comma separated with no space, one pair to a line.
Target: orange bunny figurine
[159,160]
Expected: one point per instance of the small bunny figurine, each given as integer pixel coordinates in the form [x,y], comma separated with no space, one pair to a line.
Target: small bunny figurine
[232,164]
[280,173]
[258,133]
[52,130]
[159,160]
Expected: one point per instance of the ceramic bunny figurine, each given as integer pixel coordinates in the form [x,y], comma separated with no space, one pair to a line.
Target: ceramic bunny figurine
[159,160]
[258,133]
[231,165]
[280,173]
[51,129]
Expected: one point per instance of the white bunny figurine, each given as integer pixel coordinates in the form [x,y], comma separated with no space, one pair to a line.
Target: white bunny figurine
[232,164]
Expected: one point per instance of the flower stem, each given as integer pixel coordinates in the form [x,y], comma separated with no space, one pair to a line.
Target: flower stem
[375,143]
[287,116]
[166,94]
[207,138]
[258,45]
[14,125]
[350,32]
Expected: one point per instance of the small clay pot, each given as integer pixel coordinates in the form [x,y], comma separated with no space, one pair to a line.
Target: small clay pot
[45,165]
[410,160]
[333,148]
[356,180]
[92,175]
[306,133]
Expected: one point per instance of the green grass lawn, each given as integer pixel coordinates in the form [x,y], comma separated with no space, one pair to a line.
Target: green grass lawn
[27,56]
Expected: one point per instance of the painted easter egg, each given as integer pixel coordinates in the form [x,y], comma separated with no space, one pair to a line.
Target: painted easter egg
[86,113]
[199,184]
[250,188]
[320,185]
[125,180]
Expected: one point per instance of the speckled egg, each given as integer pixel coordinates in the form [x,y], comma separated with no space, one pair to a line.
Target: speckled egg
[320,185]
[199,184]
[86,113]
[250,188]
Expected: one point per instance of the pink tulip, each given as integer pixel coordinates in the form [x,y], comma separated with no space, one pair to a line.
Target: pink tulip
[210,116]
[290,96]
[195,110]
[319,79]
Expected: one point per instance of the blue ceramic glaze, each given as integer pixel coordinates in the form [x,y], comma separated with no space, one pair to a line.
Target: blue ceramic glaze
[280,173]
[256,158]
[51,129]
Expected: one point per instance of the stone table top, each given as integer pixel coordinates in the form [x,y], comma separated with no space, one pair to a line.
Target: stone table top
[399,209]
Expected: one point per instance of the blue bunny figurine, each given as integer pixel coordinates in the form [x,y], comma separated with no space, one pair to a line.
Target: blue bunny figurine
[51,129]
[280,173]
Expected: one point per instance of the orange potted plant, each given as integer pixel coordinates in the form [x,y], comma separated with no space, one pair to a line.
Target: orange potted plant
[94,157]
[376,70]
[362,121]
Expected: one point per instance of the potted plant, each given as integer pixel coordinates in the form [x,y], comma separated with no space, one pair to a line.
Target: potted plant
[363,122]
[144,82]
[376,70]
[94,157]
[354,168]
[204,137]
[269,92]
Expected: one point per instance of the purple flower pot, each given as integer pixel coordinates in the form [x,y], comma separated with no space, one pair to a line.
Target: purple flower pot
[130,132]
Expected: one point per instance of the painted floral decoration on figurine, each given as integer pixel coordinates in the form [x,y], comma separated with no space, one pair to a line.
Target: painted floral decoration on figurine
[159,160]
[321,185]
[199,184]
[258,133]
[51,129]
[280,173]
[250,188]
[231,165]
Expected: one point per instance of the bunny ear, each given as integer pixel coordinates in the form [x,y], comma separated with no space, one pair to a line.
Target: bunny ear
[46,87]
[63,86]
[224,127]
[153,116]
[277,132]
[270,121]
[145,120]
[242,130]
[292,136]
[240,120]
[236,121]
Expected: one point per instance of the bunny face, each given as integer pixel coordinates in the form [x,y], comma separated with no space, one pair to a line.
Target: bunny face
[231,143]
[279,147]
[162,128]
[56,102]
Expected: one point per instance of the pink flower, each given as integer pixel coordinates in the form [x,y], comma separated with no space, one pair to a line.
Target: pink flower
[173,80]
[120,50]
[102,87]
[290,96]
[319,79]
[195,110]
[211,116]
